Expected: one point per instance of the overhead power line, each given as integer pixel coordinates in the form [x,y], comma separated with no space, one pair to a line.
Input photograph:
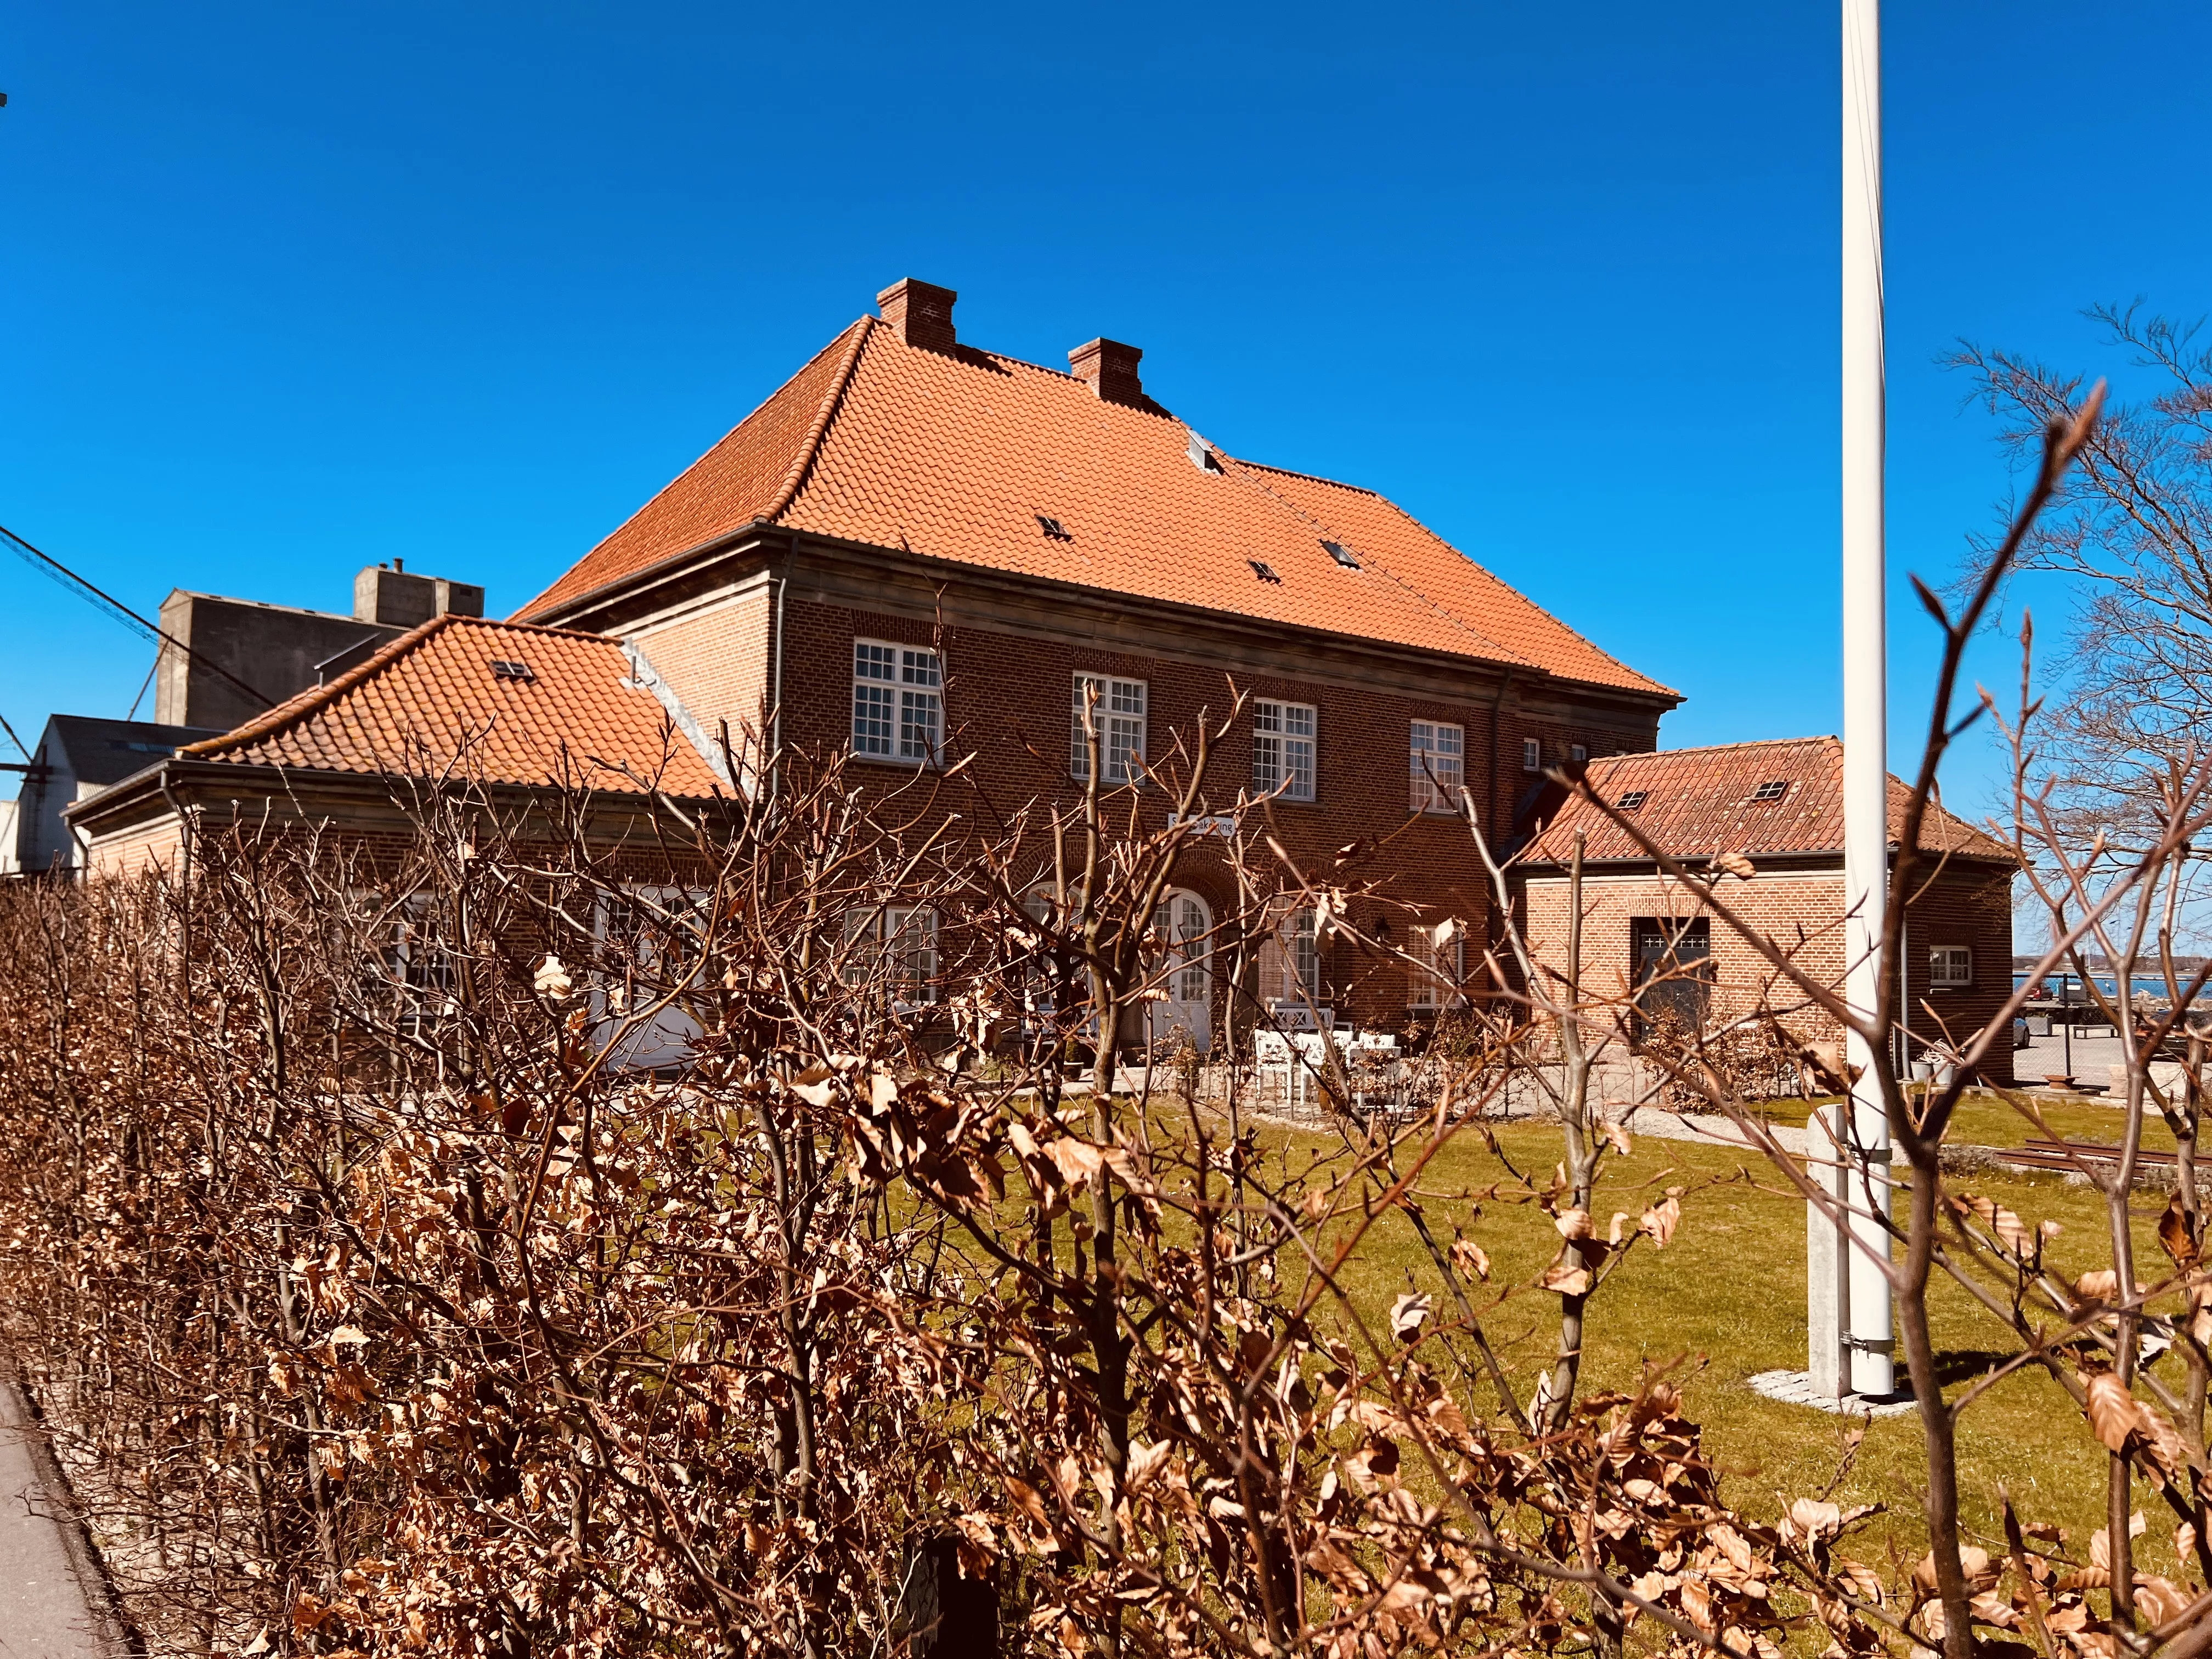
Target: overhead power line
[54,570]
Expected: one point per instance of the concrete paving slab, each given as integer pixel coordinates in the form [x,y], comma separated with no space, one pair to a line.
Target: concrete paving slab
[52,1605]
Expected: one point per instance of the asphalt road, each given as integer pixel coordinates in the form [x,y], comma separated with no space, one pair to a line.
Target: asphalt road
[44,1610]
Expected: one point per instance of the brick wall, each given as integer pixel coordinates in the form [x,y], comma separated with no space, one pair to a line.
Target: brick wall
[1966,904]
[157,845]
[1007,701]
[718,660]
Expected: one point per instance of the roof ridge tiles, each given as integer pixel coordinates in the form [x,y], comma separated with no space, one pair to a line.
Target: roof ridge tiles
[1310,477]
[1714,748]
[802,461]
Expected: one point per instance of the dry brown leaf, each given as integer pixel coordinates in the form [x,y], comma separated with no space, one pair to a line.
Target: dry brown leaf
[1406,1314]
[2006,1227]
[2114,1413]
[2173,1234]
[1470,1257]
[1567,1274]
[2100,1285]
[1077,1161]
[1661,1220]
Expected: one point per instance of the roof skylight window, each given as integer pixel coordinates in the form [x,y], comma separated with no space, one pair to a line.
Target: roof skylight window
[1633,799]
[1263,570]
[1054,529]
[1342,555]
[507,669]
[1772,790]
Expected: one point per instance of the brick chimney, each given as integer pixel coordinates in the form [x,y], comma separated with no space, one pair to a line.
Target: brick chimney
[920,312]
[1111,369]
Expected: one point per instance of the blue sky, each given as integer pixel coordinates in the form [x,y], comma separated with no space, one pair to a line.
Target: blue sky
[289,289]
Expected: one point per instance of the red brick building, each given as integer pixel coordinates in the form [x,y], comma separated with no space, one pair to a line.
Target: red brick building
[1651,941]
[923,551]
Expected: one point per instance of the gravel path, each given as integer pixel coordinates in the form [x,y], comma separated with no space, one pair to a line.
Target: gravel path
[1711,1127]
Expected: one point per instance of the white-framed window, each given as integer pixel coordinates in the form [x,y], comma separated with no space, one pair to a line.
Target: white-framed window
[1577,753]
[1119,714]
[1532,754]
[1283,749]
[898,703]
[1434,980]
[1436,762]
[651,933]
[649,941]
[894,945]
[1950,967]
[1302,953]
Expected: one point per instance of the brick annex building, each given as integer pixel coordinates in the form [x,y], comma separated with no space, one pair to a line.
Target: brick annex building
[1651,939]
[926,550]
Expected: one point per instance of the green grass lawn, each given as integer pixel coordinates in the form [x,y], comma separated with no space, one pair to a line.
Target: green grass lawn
[1727,1300]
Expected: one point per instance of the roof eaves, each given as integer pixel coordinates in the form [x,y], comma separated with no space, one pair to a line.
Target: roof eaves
[632,580]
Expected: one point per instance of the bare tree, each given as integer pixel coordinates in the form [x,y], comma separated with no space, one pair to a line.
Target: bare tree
[2131,524]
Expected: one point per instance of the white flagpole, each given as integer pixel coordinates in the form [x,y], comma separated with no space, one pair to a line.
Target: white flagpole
[1866,1327]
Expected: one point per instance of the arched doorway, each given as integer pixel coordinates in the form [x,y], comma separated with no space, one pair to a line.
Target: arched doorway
[1184,1011]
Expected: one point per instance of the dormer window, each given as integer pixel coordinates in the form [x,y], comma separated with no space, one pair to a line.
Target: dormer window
[1772,790]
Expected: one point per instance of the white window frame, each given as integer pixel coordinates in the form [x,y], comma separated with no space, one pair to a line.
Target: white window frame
[674,909]
[1436,764]
[901,688]
[1437,985]
[1119,714]
[1577,754]
[1302,960]
[1532,754]
[1950,967]
[911,931]
[1285,748]
[658,915]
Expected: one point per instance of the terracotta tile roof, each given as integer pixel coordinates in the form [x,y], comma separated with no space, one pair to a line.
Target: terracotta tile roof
[1701,802]
[956,456]
[434,699]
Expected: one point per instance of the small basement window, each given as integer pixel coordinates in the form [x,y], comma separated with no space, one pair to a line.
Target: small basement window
[1263,570]
[505,669]
[1342,555]
[1950,967]
[1633,799]
[1774,789]
[1054,529]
